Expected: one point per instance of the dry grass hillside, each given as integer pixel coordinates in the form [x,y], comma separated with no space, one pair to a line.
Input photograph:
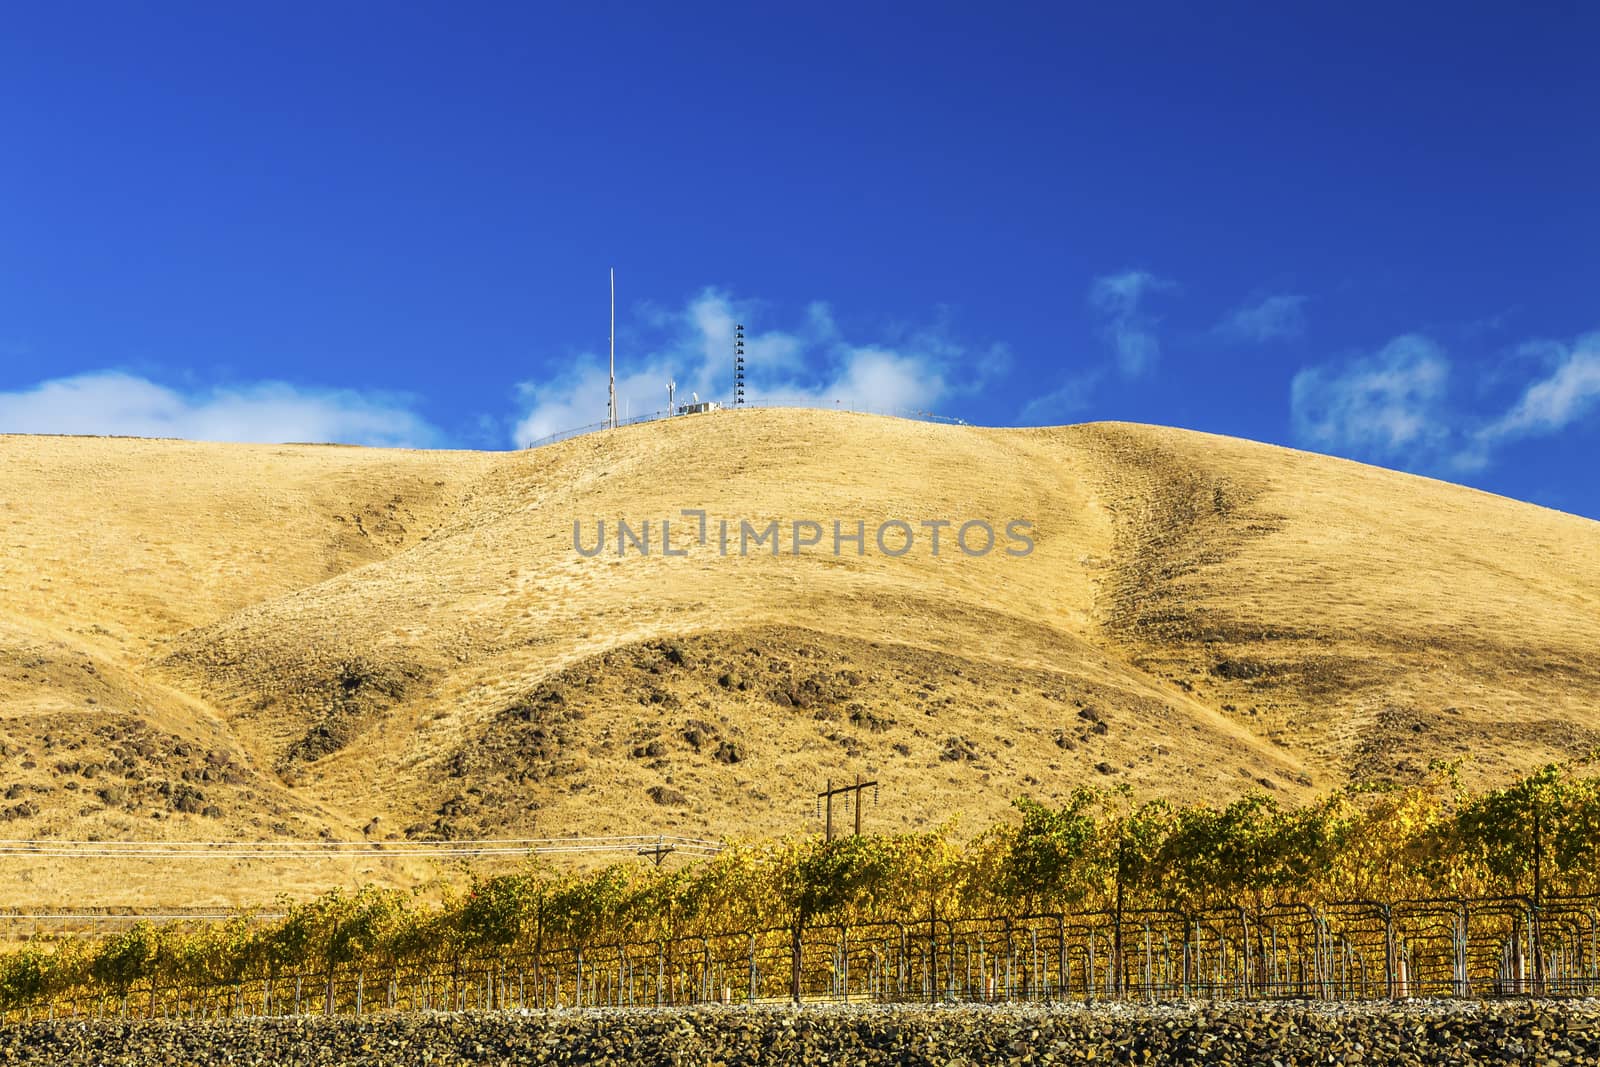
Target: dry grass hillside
[205,641]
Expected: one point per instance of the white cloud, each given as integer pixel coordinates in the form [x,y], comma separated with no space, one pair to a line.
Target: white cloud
[112,402]
[1119,294]
[878,379]
[812,365]
[1390,405]
[1130,330]
[1119,300]
[1395,405]
[1277,318]
[1569,392]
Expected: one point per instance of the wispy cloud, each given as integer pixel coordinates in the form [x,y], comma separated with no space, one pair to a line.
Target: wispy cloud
[1068,399]
[1570,391]
[810,363]
[1396,405]
[116,403]
[1276,318]
[1129,328]
[1388,406]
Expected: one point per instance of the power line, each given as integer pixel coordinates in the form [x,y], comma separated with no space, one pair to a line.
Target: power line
[324,850]
[326,843]
[135,916]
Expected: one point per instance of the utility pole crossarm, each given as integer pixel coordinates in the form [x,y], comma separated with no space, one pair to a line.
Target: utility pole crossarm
[830,791]
[658,851]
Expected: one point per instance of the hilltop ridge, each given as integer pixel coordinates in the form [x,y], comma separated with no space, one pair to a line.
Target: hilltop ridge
[269,641]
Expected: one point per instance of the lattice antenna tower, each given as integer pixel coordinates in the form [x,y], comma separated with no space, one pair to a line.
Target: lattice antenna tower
[738,365]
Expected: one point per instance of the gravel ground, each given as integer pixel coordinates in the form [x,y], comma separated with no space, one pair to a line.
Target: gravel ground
[1419,1032]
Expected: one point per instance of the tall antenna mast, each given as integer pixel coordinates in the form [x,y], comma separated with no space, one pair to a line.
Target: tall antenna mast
[611,412]
[738,365]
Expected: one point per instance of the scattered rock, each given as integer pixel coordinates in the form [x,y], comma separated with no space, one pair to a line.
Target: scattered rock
[958,749]
[668,797]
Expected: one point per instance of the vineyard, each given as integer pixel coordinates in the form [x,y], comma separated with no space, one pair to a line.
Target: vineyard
[1369,893]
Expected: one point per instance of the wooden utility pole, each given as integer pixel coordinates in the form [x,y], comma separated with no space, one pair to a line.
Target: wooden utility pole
[829,792]
[858,804]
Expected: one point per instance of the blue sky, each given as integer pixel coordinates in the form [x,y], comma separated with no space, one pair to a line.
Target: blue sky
[1370,230]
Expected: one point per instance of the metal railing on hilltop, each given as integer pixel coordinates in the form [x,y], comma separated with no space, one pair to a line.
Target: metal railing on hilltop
[656,416]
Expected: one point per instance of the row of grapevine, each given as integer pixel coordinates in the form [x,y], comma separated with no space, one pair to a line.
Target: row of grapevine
[1100,853]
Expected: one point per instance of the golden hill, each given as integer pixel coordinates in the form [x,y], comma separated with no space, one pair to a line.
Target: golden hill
[200,641]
